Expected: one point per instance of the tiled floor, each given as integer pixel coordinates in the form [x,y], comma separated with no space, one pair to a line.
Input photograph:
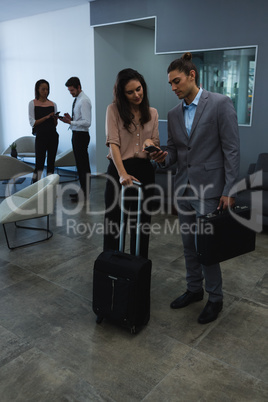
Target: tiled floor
[52,349]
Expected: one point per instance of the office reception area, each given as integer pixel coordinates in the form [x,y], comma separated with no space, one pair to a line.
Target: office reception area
[52,348]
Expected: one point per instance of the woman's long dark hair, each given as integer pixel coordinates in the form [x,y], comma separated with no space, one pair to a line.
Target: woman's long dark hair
[37,85]
[121,101]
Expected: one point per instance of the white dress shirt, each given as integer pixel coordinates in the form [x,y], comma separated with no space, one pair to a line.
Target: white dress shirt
[82,113]
[189,111]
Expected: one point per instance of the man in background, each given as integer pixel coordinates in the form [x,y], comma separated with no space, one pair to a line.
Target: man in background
[80,122]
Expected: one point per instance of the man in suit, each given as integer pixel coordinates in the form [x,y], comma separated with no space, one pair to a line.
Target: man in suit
[203,139]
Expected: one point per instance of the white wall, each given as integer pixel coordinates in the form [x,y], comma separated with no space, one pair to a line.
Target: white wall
[53,46]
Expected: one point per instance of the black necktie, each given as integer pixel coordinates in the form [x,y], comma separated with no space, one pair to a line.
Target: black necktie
[73,108]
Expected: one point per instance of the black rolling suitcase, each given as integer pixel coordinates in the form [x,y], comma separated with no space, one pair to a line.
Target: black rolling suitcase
[121,283]
[222,236]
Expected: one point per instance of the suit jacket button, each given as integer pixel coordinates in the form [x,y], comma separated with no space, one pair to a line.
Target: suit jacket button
[189,148]
[189,165]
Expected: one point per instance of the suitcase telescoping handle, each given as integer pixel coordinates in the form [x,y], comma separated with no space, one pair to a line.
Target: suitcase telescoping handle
[122,224]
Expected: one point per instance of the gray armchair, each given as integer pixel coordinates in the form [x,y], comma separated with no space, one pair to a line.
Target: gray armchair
[35,201]
[25,147]
[66,159]
[11,169]
[245,197]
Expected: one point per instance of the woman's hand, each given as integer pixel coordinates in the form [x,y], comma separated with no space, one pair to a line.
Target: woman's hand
[124,178]
[52,114]
[147,143]
[43,119]
[127,180]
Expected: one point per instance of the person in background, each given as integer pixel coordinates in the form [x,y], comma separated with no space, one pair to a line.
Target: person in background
[131,125]
[43,121]
[203,139]
[80,122]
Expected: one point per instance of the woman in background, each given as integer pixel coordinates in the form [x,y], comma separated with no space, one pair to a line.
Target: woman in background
[131,125]
[43,121]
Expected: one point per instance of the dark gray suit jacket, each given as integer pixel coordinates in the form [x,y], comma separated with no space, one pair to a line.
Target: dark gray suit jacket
[209,157]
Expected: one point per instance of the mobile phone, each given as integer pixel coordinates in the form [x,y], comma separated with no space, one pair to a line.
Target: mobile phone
[151,149]
[57,114]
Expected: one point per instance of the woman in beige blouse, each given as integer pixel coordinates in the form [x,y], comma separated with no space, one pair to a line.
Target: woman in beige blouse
[131,125]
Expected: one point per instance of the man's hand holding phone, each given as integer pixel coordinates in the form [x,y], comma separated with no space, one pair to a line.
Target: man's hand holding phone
[66,118]
[151,149]
[58,115]
[155,153]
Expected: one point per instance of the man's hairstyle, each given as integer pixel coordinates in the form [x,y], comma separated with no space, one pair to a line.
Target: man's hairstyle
[184,65]
[73,82]
[37,86]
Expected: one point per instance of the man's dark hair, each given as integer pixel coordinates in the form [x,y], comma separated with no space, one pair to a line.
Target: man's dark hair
[184,65]
[73,82]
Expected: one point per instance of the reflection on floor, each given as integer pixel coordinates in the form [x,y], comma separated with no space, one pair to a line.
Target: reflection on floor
[52,349]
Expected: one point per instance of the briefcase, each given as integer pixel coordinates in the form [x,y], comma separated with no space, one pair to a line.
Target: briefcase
[220,236]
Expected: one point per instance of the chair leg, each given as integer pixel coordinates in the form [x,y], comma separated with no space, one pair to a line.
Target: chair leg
[72,177]
[7,190]
[49,234]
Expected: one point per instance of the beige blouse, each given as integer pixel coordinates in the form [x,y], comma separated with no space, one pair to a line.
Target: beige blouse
[130,143]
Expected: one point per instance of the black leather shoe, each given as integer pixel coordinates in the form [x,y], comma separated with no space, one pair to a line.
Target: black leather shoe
[210,312]
[187,298]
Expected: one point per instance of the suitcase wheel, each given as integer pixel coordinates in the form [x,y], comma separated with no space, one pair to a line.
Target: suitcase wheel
[99,319]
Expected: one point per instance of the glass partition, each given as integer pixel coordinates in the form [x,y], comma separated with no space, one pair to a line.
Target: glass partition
[230,72]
